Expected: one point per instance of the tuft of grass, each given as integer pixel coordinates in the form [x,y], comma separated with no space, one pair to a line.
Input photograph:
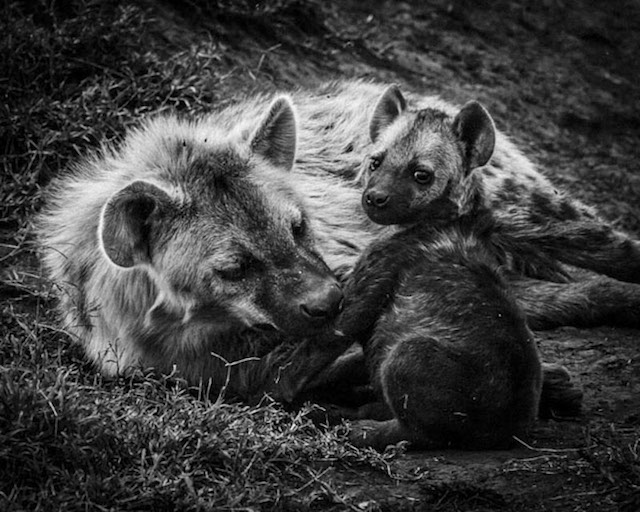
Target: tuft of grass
[72,446]
[614,452]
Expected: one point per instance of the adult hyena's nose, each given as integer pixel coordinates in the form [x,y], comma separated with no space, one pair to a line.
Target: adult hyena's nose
[324,303]
[376,198]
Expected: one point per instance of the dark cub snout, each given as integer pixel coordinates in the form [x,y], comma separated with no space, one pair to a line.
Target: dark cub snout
[376,198]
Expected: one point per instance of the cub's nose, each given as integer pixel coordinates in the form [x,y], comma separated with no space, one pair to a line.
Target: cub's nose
[376,198]
[323,304]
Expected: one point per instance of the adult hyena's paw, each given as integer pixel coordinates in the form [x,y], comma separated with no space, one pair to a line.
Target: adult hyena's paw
[560,398]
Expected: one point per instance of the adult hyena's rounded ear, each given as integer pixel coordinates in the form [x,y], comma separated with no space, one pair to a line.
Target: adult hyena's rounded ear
[275,138]
[390,105]
[475,129]
[126,222]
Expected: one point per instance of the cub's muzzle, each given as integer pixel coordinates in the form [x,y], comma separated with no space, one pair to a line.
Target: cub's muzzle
[376,198]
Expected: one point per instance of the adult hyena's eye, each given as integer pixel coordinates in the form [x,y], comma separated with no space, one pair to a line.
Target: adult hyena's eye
[374,163]
[238,269]
[423,177]
[299,228]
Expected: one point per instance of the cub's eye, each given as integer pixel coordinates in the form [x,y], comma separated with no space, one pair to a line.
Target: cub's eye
[374,163]
[299,228]
[423,177]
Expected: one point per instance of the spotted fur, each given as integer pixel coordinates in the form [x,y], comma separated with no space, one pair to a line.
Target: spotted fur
[192,238]
[538,226]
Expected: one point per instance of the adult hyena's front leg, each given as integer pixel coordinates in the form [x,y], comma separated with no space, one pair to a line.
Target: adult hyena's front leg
[597,301]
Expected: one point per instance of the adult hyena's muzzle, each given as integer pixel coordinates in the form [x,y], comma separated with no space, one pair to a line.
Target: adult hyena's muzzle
[323,302]
[304,301]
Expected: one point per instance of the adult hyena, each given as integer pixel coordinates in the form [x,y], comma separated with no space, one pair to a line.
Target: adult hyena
[191,238]
[188,247]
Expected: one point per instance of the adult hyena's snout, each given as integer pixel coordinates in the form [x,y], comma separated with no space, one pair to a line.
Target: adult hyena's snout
[305,300]
[323,302]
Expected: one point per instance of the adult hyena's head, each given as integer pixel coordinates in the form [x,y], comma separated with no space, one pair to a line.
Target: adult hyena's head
[421,160]
[216,223]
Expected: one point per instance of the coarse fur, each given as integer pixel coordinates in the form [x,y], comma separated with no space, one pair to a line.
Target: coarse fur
[450,353]
[208,244]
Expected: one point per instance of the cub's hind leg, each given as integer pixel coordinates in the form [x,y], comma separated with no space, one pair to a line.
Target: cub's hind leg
[413,378]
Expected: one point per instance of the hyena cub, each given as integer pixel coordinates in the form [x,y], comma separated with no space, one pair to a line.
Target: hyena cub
[417,168]
[189,246]
[446,345]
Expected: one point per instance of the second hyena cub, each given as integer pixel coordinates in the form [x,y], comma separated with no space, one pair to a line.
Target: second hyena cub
[446,345]
[422,162]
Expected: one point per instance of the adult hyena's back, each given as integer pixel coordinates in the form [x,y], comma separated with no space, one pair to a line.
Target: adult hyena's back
[535,215]
[332,143]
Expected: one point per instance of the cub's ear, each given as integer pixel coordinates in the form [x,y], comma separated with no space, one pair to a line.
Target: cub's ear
[126,222]
[275,138]
[390,105]
[475,129]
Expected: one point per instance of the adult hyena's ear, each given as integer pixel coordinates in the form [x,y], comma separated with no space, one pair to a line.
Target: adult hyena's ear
[127,221]
[275,138]
[390,105]
[475,129]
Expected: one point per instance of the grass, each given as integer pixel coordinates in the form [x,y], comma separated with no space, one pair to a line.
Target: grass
[79,72]
[70,440]
[68,445]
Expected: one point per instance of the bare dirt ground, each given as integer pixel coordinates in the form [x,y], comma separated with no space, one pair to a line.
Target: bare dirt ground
[562,79]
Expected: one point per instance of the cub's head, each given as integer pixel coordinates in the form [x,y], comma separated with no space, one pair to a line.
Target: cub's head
[421,159]
[213,218]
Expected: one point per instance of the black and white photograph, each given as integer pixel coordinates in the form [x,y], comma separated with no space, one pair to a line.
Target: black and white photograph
[319,255]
